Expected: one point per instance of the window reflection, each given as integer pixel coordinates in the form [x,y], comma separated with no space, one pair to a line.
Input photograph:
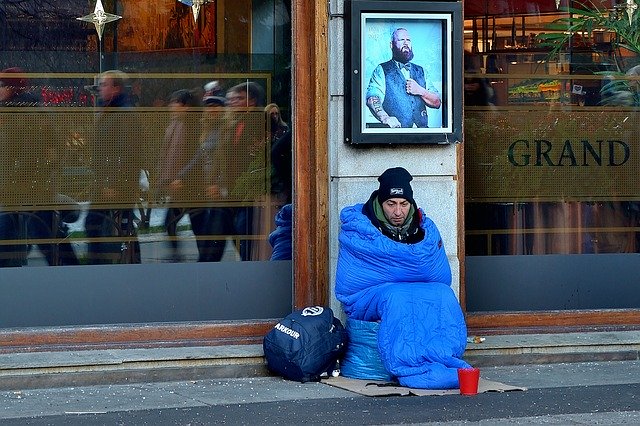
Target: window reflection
[187,182]
[550,129]
[146,179]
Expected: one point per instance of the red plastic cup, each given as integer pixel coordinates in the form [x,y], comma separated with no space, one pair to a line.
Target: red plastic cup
[468,379]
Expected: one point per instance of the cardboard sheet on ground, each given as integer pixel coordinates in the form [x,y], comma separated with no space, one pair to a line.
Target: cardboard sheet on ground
[382,388]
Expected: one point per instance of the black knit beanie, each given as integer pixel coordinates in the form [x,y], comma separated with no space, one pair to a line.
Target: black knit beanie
[394,183]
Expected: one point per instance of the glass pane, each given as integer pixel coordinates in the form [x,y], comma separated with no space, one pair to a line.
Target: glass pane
[157,137]
[551,118]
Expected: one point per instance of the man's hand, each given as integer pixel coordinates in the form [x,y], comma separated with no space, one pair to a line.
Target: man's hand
[214,192]
[391,121]
[413,88]
[431,99]
[176,186]
[375,106]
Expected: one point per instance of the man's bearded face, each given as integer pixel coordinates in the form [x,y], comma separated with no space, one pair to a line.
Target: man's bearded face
[401,47]
[403,54]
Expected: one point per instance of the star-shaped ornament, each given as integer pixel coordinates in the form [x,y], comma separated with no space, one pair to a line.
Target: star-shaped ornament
[99,18]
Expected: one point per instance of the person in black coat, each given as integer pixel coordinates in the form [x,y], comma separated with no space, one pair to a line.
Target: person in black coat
[116,164]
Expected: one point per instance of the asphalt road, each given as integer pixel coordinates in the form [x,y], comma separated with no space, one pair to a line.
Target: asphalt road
[594,404]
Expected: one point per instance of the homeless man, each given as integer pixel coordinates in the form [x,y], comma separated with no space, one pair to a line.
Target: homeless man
[392,268]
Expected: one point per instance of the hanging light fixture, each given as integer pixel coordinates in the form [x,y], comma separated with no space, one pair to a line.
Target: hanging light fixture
[99,18]
[631,8]
[195,6]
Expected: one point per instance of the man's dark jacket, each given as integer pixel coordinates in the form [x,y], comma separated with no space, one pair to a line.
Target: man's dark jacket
[116,160]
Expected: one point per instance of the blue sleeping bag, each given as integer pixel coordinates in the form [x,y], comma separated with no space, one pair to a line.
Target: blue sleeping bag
[406,287]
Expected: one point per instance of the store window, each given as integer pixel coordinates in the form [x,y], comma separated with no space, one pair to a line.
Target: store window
[551,155]
[146,161]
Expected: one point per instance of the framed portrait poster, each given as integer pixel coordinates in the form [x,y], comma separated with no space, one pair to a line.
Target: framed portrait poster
[403,72]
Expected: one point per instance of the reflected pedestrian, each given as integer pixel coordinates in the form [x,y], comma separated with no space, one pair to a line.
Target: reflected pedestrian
[198,175]
[116,164]
[240,166]
[180,142]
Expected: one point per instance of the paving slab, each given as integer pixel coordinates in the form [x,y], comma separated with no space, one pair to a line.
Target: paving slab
[524,343]
[53,359]
[566,374]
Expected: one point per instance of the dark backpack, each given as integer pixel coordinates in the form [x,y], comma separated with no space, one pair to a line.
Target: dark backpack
[305,344]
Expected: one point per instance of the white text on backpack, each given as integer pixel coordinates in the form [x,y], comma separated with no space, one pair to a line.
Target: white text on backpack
[287,330]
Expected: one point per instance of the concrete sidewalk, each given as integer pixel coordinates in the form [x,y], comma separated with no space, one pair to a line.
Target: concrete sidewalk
[138,386]
[101,399]
[33,370]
